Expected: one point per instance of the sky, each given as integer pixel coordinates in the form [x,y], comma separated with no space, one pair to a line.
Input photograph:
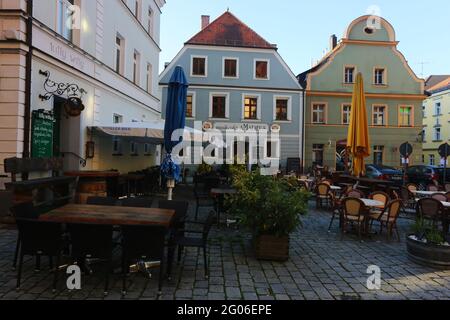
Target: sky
[302,29]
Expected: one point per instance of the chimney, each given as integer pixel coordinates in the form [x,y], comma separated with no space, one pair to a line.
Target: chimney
[333,42]
[205,21]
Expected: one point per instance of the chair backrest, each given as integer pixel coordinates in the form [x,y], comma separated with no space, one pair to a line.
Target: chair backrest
[353,206]
[143,242]
[91,240]
[328,182]
[439,197]
[323,189]
[101,201]
[181,209]
[393,210]
[137,202]
[432,187]
[447,187]
[406,194]
[354,193]
[412,187]
[38,237]
[381,197]
[430,208]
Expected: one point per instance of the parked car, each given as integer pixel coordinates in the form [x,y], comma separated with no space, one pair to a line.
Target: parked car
[424,175]
[384,173]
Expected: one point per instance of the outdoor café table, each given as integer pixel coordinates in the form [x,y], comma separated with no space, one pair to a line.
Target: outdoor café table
[369,203]
[221,193]
[426,194]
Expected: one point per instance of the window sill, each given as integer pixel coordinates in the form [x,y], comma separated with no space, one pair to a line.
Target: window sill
[219,119]
[230,78]
[261,79]
[198,76]
[437,141]
[251,120]
[282,121]
[380,85]
[348,83]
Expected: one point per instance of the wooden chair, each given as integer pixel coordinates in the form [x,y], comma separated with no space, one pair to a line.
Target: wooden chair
[354,193]
[352,213]
[388,218]
[430,209]
[412,187]
[381,197]
[323,195]
[408,199]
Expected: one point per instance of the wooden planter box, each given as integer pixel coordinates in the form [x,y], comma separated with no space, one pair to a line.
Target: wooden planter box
[271,248]
[428,254]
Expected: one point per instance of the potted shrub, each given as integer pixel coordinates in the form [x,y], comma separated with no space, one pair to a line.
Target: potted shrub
[427,245]
[270,208]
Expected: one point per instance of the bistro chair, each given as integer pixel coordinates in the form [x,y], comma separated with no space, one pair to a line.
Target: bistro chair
[439,197]
[137,202]
[354,193]
[101,201]
[336,208]
[141,245]
[187,238]
[381,197]
[388,218]
[412,187]
[36,238]
[352,213]
[202,192]
[430,209]
[408,199]
[323,194]
[432,187]
[90,242]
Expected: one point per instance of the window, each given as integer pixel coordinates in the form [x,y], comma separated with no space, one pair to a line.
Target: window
[198,66]
[117,118]
[230,68]
[117,146]
[147,149]
[349,75]
[150,22]
[137,10]
[318,154]
[65,18]
[133,148]
[432,160]
[282,109]
[318,113]
[379,75]
[379,115]
[405,119]
[346,113]
[378,155]
[149,77]
[136,67]
[262,69]
[437,109]
[424,135]
[189,106]
[120,43]
[250,108]
[424,111]
[219,107]
[437,134]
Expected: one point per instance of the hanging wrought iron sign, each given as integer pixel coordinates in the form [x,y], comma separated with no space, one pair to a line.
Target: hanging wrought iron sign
[72,92]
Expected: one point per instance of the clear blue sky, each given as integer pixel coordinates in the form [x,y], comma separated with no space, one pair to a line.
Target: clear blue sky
[301,29]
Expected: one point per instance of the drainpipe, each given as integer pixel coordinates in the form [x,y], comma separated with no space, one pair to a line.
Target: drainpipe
[29,60]
[304,130]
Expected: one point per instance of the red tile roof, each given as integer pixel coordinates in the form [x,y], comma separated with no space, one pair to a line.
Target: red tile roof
[227,30]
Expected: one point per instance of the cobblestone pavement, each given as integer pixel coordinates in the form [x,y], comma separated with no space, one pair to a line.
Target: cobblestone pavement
[322,266]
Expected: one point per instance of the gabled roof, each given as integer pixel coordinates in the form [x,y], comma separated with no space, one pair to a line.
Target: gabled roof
[434,80]
[227,30]
[441,86]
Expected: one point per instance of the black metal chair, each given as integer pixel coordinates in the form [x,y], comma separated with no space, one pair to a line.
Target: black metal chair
[202,192]
[186,238]
[137,202]
[142,244]
[92,242]
[101,201]
[36,238]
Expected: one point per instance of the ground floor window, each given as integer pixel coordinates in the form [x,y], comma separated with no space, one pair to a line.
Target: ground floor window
[378,155]
[432,160]
[318,154]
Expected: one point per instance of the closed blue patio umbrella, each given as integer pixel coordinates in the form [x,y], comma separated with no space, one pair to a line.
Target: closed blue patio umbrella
[175,119]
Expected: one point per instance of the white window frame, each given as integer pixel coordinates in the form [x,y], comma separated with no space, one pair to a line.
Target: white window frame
[438,110]
[136,67]
[223,67]
[149,77]
[150,21]
[192,66]
[258,106]
[378,149]
[343,113]
[432,159]
[121,49]
[193,94]
[385,113]
[62,16]
[375,78]
[437,135]
[355,72]
[118,116]
[138,10]
[325,113]
[268,69]
[289,108]
[227,104]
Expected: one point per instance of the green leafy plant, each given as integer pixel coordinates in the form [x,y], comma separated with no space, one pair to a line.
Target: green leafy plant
[426,230]
[266,205]
[204,169]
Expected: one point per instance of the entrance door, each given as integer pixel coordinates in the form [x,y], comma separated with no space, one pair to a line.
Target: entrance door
[341,156]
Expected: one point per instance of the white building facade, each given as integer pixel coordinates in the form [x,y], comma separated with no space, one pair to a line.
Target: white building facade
[106,51]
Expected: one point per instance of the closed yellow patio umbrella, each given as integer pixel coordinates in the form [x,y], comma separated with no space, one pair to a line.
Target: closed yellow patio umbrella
[358,131]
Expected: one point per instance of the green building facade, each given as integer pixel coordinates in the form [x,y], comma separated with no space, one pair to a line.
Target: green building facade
[394,97]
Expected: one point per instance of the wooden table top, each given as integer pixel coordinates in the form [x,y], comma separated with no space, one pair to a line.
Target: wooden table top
[110,215]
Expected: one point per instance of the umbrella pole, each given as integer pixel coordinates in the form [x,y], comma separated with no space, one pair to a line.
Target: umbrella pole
[170,186]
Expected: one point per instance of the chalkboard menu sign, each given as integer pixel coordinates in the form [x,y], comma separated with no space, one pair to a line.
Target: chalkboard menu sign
[42,134]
